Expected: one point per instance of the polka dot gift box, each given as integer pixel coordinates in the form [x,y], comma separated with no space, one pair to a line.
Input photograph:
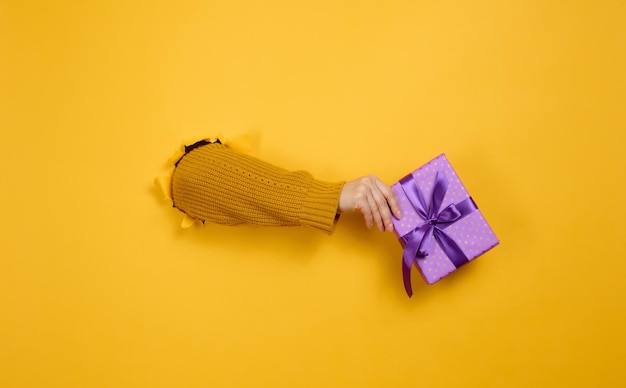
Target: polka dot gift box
[441,227]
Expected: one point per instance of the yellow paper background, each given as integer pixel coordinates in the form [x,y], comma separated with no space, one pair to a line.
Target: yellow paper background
[99,287]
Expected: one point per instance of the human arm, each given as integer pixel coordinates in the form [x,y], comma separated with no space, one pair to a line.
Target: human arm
[216,184]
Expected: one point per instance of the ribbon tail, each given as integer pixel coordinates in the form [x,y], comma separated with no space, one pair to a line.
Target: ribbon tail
[408,257]
[406,278]
[413,250]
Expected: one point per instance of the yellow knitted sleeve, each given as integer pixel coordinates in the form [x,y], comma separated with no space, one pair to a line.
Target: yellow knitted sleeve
[217,184]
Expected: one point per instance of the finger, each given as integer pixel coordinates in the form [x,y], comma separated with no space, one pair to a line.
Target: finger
[374,206]
[391,198]
[362,206]
[383,208]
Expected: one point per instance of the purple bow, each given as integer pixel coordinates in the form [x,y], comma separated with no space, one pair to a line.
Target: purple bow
[419,241]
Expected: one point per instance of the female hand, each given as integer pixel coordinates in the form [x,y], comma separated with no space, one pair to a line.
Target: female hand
[373,198]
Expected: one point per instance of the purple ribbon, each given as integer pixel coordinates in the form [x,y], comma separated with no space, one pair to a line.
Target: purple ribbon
[419,242]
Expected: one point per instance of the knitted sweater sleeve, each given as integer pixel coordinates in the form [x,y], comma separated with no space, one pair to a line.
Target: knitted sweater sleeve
[216,184]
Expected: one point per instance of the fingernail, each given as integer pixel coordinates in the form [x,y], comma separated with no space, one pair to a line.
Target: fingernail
[390,227]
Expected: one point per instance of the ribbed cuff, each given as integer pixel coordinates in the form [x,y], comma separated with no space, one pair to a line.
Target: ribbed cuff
[320,207]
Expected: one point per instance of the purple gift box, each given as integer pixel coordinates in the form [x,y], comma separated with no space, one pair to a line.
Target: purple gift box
[441,227]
